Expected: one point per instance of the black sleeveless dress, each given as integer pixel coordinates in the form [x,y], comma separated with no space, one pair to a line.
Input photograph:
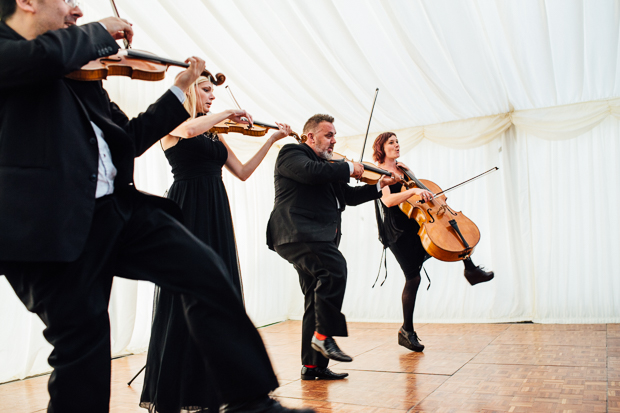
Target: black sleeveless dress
[175,379]
[400,234]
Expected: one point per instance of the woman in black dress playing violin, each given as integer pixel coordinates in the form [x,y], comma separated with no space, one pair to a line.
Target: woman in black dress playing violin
[176,380]
[399,233]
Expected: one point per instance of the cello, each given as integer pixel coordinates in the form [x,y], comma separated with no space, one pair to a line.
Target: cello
[446,234]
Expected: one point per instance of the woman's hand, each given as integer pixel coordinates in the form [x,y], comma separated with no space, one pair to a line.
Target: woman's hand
[240,116]
[283,131]
[424,194]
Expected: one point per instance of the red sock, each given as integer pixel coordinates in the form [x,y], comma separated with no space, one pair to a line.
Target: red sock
[310,366]
[321,337]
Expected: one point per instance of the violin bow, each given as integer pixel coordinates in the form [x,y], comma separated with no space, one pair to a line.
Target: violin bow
[125,41]
[264,125]
[233,97]
[257,123]
[495,168]
[369,120]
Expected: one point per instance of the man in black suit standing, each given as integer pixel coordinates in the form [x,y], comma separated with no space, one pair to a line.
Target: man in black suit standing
[304,229]
[71,219]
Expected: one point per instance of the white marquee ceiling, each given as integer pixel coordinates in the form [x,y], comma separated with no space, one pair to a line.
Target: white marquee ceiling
[433,61]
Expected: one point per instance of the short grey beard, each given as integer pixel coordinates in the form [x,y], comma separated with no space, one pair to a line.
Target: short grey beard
[326,155]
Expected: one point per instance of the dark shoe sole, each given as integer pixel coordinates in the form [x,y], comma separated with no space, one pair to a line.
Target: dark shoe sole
[405,343]
[308,377]
[320,350]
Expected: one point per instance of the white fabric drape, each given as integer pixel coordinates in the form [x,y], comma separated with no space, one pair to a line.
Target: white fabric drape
[529,86]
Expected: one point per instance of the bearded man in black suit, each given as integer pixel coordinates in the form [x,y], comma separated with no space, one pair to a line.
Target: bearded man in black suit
[304,229]
[71,218]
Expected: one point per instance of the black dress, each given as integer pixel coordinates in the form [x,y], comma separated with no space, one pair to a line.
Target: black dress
[400,234]
[176,380]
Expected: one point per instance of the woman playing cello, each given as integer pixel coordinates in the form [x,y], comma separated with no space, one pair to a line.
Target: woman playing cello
[400,234]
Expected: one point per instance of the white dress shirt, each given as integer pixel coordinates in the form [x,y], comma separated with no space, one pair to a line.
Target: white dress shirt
[106,171]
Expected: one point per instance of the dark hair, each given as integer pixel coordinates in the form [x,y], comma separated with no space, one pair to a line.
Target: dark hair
[315,120]
[378,153]
[7,8]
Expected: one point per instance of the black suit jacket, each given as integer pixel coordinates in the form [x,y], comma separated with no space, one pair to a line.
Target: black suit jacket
[306,189]
[48,149]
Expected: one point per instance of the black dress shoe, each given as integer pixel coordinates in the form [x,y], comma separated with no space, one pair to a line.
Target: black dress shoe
[320,373]
[329,349]
[263,404]
[409,340]
[478,275]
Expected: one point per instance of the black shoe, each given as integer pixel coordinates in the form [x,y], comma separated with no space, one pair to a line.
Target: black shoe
[329,349]
[409,340]
[478,275]
[263,404]
[320,373]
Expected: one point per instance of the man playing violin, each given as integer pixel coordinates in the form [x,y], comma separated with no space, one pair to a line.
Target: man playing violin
[304,229]
[72,218]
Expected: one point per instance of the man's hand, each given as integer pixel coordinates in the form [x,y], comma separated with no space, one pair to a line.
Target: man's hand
[358,170]
[189,76]
[388,180]
[118,28]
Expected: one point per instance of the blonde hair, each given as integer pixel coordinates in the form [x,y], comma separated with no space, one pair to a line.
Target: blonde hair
[191,101]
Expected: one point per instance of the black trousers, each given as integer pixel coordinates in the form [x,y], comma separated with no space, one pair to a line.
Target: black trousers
[132,239]
[322,273]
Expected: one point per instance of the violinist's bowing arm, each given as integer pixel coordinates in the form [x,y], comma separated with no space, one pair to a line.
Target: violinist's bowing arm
[202,124]
[198,126]
[118,28]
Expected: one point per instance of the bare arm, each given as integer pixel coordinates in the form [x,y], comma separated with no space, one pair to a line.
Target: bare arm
[389,199]
[244,171]
[202,124]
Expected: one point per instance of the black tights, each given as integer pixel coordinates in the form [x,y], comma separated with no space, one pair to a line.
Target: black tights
[469,264]
[410,292]
[410,255]
[409,295]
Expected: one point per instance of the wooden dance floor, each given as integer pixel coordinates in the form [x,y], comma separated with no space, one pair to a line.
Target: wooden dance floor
[464,368]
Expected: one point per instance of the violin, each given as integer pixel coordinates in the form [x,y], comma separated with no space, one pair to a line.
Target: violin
[258,129]
[134,64]
[371,174]
[446,234]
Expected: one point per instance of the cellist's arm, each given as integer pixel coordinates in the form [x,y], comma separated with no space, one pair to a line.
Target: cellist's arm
[389,199]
